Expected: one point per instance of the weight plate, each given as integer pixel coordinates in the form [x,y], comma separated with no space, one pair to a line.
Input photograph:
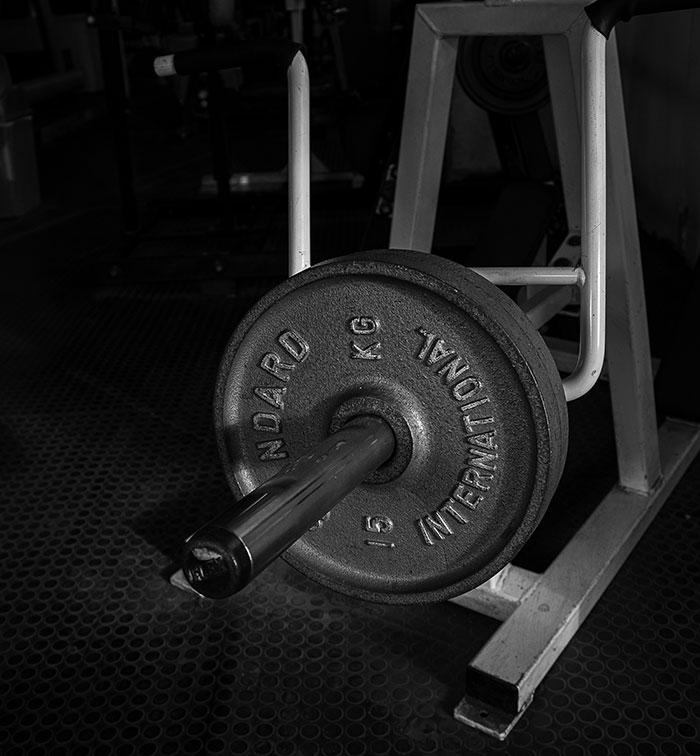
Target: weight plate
[505,75]
[467,384]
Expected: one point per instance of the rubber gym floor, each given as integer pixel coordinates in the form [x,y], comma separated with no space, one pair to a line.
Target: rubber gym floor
[109,461]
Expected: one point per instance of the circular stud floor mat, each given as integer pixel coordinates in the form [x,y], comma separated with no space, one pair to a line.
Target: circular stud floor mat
[108,461]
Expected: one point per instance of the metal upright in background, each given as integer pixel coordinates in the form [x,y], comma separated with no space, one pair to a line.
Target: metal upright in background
[117,92]
[541,612]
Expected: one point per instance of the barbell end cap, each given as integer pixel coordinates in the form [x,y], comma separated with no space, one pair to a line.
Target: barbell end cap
[216,563]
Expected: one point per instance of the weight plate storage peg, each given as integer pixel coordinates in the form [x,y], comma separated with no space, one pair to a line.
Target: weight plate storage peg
[452,365]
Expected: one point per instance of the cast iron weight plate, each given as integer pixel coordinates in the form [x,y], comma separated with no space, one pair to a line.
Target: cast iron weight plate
[468,385]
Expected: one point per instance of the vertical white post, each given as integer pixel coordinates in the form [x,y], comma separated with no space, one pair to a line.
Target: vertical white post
[299,165]
[593,221]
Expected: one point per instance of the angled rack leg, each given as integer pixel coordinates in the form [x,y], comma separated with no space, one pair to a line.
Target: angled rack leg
[426,117]
[628,354]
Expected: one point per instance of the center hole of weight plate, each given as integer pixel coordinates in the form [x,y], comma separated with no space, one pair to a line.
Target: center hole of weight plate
[371,405]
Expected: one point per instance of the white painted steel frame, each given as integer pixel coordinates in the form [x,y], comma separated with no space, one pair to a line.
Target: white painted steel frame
[426,116]
[650,464]
[628,358]
[626,323]
[554,276]
[550,608]
[590,276]
[593,224]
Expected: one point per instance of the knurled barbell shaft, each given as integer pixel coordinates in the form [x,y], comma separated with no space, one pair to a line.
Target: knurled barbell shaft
[227,553]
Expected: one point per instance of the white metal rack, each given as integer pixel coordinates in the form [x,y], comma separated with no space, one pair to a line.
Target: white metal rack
[540,613]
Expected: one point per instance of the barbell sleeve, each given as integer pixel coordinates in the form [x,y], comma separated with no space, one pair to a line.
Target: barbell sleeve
[224,555]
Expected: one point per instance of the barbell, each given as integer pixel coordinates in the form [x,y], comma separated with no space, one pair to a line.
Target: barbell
[394,425]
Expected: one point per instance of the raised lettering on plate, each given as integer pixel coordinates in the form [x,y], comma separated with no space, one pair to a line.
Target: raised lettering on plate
[270,450]
[378,524]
